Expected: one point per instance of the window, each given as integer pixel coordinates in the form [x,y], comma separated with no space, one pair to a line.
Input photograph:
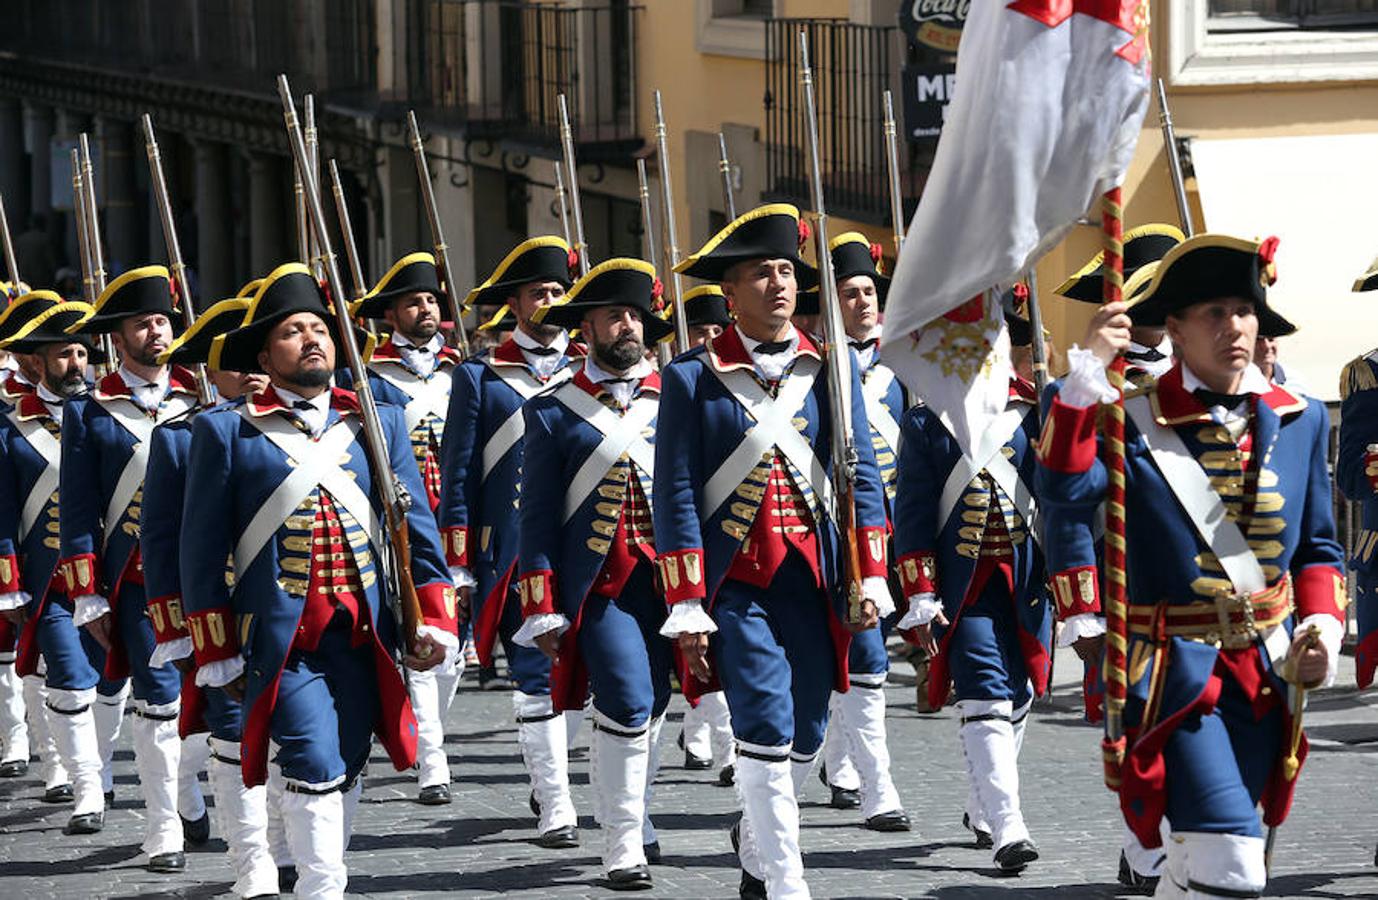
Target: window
[733,27]
[1231,16]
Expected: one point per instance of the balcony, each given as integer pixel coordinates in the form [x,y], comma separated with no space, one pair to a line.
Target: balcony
[851,71]
[495,68]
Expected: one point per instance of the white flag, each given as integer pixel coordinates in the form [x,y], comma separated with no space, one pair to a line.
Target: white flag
[1050,99]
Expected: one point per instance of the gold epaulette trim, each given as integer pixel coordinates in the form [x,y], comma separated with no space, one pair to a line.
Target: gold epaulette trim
[1357,376]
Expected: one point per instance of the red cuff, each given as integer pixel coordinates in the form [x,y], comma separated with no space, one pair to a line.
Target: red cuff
[1320,589]
[1077,591]
[918,573]
[166,615]
[213,636]
[439,609]
[9,575]
[871,543]
[456,546]
[681,572]
[1371,468]
[1068,441]
[537,592]
[79,572]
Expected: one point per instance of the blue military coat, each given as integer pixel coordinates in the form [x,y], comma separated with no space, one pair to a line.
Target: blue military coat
[1359,429]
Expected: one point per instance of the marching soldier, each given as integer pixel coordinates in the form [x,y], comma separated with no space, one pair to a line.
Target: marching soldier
[1213,455]
[973,575]
[241,811]
[284,488]
[588,549]
[413,369]
[706,313]
[104,456]
[746,535]
[31,592]
[480,471]
[856,759]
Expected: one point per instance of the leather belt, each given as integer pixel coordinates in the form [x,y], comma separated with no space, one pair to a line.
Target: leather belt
[1231,620]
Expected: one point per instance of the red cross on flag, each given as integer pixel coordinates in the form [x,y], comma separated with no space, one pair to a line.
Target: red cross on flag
[1050,97]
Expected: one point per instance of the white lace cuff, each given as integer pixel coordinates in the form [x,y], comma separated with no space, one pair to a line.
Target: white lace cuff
[1086,382]
[89,608]
[922,609]
[1082,625]
[540,624]
[220,673]
[1332,633]
[14,600]
[875,589]
[169,651]
[687,617]
[462,577]
[447,639]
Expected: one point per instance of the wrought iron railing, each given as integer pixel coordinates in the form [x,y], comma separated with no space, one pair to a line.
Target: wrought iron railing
[496,67]
[852,69]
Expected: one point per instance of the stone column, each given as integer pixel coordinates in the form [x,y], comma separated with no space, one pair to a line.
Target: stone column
[269,214]
[14,183]
[40,130]
[125,238]
[214,253]
[69,125]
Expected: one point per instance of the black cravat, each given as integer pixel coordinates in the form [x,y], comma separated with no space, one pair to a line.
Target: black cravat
[867,344]
[1149,355]
[770,347]
[1211,398]
[303,404]
[541,351]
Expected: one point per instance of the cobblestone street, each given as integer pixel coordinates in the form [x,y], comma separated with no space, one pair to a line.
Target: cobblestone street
[481,845]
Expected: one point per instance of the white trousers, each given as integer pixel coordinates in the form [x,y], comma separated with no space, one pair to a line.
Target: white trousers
[1203,866]
[991,742]
[770,821]
[316,833]
[73,725]
[545,750]
[855,750]
[242,818]
[432,692]
[14,731]
[157,756]
[109,722]
[708,730]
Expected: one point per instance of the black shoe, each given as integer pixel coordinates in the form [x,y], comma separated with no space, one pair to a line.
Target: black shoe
[198,832]
[844,798]
[86,823]
[728,776]
[62,793]
[637,878]
[435,795]
[1013,857]
[735,835]
[490,680]
[263,897]
[14,768]
[168,862]
[652,851]
[751,888]
[1139,884]
[287,879]
[889,821]
[696,763]
[563,838]
[109,798]
[983,838]
[535,805]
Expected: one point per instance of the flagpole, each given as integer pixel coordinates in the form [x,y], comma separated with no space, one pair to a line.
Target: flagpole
[1114,745]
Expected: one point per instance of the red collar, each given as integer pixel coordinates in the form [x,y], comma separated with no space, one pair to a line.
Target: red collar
[13,387]
[649,384]
[727,352]
[112,387]
[267,401]
[509,353]
[390,352]
[1023,391]
[31,406]
[1173,404]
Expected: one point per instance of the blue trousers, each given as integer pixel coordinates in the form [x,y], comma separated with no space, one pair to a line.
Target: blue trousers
[1218,765]
[629,663]
[984,657]
[224,715]
[774,656]
[326,705]
[155,687]
[529,667]
[867,655]
[69,667]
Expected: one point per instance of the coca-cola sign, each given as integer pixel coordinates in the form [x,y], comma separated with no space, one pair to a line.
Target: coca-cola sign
[935,23]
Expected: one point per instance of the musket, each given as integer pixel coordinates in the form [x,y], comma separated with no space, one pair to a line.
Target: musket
[396,501]
[180,285]
[725,167]
[1039,351]
[836,355]
[88,279]
[563,201]
[892,164]
[572,171]
[11,264]
[441,249]
[643,190]
[667,205]
[88,178]
[1174,161]
[356,269]
[313,157]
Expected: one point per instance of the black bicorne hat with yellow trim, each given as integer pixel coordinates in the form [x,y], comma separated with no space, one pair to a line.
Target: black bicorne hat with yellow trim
[1369,280]
[502,320]
[194,345]
[854,254]
[1213,267]
[773,231]
[614,282]
[248,290]
[290,289]
[706,305]
[414,273]
[43,317]
[540,259]
[1142,246]
[135,293]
